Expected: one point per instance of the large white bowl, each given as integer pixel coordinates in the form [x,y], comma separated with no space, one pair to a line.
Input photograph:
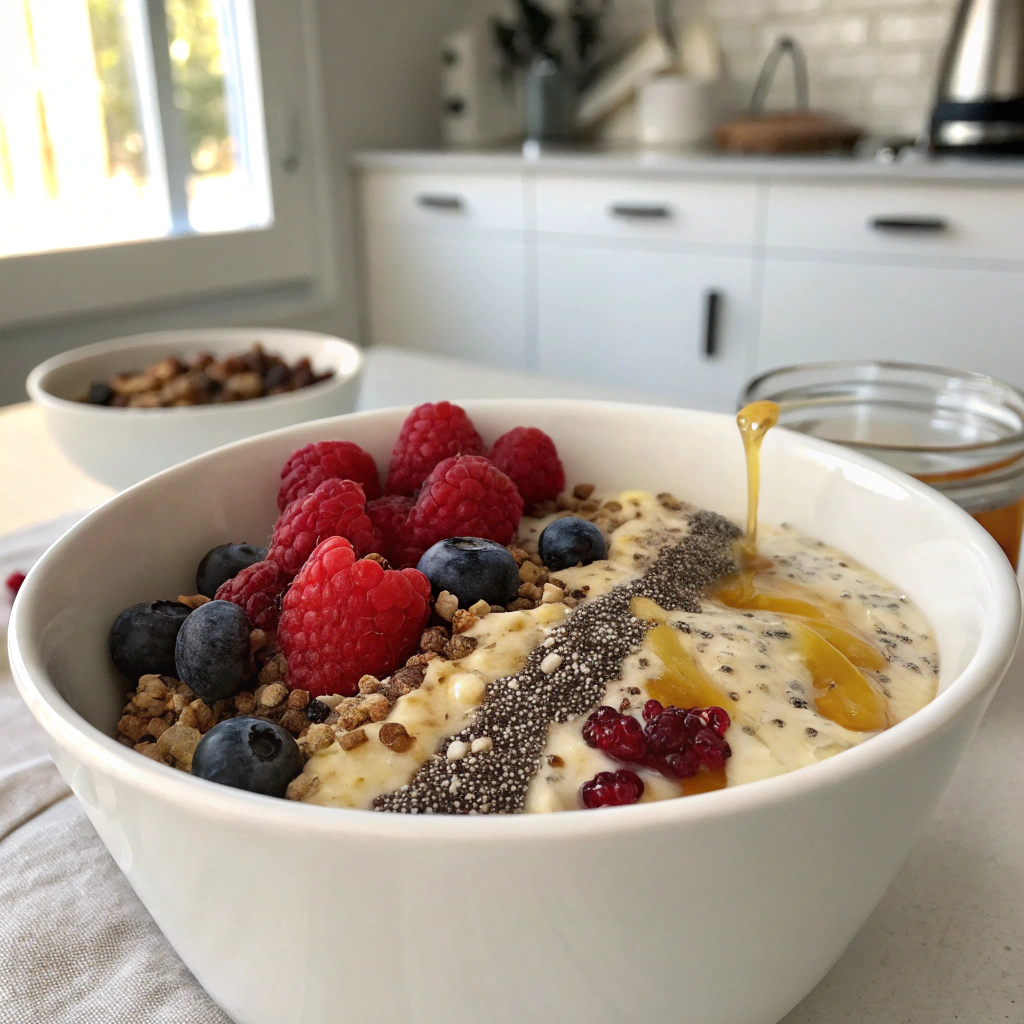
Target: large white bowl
[725,908]
[120,447]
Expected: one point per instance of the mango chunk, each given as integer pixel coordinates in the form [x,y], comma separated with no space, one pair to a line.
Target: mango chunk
[684,683]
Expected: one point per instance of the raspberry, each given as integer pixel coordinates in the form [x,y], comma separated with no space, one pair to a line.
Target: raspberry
[430,434]
[465,496]
[337,508]
[310,466]
[343,619]
[388,515]
[14,582]
[612,789]
[529,458]
[257,589]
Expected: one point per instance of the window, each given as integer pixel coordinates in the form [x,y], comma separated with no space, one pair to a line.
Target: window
[134,139]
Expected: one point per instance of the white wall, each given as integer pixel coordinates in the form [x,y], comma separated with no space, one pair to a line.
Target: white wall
[381,74]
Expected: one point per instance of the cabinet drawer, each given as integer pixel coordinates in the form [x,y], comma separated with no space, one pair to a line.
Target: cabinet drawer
[688,212]
[897,220]
[444,202]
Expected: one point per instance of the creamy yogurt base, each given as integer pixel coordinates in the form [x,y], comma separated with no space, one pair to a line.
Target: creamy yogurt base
[764,684]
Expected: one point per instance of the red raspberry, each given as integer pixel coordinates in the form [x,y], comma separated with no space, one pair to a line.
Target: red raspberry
[529,458]
[310,466]
[430,434]
[14,582]
[466,496]
[612,789]
[258,590]
[389,515]
[337,508]
[343,619]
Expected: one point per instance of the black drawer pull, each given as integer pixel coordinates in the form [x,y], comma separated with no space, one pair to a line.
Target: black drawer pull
[712,315]
[924,225]
[432,201]
[640,211]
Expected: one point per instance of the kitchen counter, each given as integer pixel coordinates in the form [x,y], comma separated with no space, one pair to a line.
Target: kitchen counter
[696,163]
[945,944]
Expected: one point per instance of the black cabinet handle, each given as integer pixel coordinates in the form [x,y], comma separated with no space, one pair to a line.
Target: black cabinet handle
[433,201]
[712,315]
[640,211]
[910,224]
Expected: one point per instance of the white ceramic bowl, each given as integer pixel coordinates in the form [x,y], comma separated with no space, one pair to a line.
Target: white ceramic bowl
[724,908]
[120,447]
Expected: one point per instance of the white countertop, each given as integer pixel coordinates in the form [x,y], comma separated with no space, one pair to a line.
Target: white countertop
[653,163]
[946,943]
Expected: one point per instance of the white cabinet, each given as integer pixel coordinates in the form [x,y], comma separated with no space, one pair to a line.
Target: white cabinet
[672,324]
[970,319]
[446,265]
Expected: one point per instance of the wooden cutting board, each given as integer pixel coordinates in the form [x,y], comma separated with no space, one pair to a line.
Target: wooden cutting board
[795,132]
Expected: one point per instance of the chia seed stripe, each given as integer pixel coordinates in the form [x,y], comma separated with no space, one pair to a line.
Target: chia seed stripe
[593,642]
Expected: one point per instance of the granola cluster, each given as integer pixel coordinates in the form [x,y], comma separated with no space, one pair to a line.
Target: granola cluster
[202,380]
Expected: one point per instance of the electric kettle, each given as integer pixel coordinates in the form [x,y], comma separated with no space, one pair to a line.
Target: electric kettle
[980,101]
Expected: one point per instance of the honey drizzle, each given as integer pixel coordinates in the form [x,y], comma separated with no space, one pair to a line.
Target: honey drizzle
[754,421]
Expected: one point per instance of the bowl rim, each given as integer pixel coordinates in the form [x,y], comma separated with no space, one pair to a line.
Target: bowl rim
[36,382]
[213,802]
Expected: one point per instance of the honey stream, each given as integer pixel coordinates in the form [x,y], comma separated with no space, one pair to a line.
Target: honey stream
[833,651]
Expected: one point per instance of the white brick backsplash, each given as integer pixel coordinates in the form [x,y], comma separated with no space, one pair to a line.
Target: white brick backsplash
[872,61]
[912,28]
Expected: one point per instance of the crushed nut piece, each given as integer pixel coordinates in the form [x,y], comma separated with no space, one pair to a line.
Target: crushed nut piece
[353,739]
[530,573]
[379,559]
[583,491]
[520,604]
[301,786]
[670,502]
[555,761]
[530,591]
[177,745]
[613,506]
[294,721]
[463,620]
[133,727]
[192,601]
[377,707]
[457,750]
[480,609]
[298,699]
[446,605]
[460,647]
[332,700]
[395,737]
[519,555]
[370,684]
[353,715]
[482,745]
[272,695]
[258,639]
[317,738]
[245,703]
[434,639]
[551,594]
[567,503]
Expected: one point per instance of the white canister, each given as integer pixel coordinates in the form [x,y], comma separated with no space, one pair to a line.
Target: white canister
[676,110]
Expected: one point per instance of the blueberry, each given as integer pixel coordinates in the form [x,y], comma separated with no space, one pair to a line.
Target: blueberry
[317,711]
[570,541]
[472,569]
[212,653]
[142,638]
[100,393]
[248,753]
[224,563]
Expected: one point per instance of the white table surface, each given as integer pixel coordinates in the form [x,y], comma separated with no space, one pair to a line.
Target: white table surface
[947,941]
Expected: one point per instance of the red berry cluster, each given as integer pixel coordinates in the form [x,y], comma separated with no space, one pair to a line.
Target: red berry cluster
[674,741]
[439,484]
[612,789]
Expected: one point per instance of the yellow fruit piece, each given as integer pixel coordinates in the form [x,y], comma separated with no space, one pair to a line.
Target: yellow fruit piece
[644,608]
[843,694]
[684,684]
[857,650]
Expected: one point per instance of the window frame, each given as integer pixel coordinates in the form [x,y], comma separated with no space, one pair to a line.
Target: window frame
[294,253]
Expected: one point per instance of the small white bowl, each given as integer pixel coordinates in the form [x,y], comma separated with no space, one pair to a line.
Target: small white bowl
[120,447]
[724,908]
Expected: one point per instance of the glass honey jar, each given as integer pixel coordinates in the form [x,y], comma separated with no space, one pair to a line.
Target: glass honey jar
[962,433]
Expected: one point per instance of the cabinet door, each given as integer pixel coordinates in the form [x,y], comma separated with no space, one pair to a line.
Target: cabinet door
[966,319]
[639,319]
[460,295]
